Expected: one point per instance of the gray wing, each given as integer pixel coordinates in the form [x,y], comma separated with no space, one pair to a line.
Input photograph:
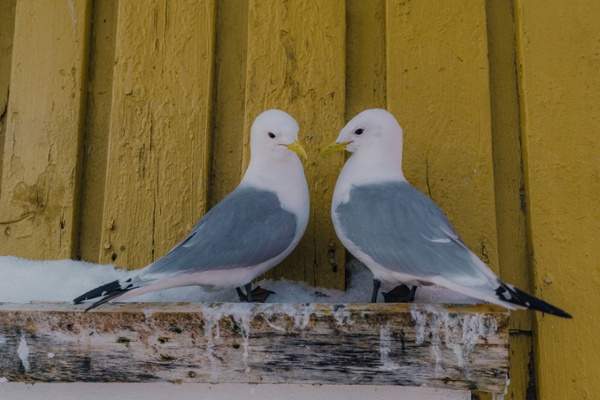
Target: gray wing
[246,228]
[405,231]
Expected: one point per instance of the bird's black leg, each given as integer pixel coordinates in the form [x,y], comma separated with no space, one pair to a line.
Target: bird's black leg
[258,295]
[376,285]
[241,294]
[411,295]
[249,292]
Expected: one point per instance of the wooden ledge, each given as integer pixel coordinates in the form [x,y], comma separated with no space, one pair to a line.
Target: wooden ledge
[461,347]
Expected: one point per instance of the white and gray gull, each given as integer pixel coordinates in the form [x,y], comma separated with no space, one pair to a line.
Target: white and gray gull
[250,231]
[399,233]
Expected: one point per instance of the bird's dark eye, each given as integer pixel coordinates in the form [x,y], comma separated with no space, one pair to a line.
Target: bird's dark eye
[359,131]
[271,135]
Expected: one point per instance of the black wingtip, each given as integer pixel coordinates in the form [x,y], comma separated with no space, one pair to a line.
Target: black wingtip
[99,292]
[107,298]
[514,295]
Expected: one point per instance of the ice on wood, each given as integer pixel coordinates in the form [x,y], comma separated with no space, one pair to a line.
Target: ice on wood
[458,334]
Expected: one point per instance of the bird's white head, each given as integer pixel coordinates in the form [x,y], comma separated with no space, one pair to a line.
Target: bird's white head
[274,135]
[372,132]
[374,138]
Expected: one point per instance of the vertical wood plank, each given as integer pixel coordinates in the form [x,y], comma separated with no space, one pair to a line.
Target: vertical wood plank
[95,148]
[41,165]
[558,54]
[296,56]
[508,180]
[438,88]
[522,382]
[365,56]
[230,74]
[508,167]
[7,26]
[159,144]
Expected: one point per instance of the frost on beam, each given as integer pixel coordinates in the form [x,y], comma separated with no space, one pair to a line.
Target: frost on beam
[440,346]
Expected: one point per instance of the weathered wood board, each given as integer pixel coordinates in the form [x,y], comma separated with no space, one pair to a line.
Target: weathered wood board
[462,347]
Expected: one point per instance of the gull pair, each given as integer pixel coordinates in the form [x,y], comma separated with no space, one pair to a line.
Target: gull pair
[394,229]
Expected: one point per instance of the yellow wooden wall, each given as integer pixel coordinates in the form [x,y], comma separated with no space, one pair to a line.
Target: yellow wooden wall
[123,122]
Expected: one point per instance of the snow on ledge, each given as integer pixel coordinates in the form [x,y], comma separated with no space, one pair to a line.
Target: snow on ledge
[24,281]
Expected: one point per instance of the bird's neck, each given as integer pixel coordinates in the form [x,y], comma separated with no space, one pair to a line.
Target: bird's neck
[284,177]
[365,168]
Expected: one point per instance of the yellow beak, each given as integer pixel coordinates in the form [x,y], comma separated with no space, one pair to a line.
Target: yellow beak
[297,148]
[332,148]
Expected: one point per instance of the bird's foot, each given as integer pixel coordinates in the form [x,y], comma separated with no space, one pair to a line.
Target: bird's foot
[258,295]
[400,294]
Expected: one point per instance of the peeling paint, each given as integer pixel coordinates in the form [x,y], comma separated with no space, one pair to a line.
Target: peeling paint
[73,13]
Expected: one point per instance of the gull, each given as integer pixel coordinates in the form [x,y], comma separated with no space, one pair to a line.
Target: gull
[250,231]
[399,233]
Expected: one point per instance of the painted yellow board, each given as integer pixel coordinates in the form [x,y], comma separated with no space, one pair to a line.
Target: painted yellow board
[509,189]
[7,25]
[558,55]
[41,163]
[230,83]
[438,89]
[159,143]
[95,147]
[296,58]
[508,168]
[365,56]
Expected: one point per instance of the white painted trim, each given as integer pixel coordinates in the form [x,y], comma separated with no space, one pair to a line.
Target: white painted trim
[222,391]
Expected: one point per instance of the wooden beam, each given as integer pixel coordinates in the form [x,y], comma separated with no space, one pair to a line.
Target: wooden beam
[462,347]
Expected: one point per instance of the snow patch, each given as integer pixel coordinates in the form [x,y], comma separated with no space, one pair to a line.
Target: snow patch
[24,281]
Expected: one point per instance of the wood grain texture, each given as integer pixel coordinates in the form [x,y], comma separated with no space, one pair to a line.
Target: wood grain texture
[558,56]
[452,347]
[44,128]
[159,144]
[296,58]
[438,89]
